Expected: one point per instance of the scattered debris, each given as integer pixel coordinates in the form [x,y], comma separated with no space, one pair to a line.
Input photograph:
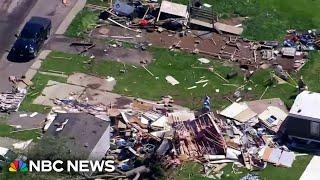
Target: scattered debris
[192,87]
[148,70]
[10,101]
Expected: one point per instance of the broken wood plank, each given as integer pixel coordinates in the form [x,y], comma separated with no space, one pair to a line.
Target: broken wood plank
[87,48]
[80,44]
[264,92]
[221,76]
[148,71]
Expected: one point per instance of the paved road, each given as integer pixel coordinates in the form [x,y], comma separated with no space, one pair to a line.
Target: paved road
[13,15]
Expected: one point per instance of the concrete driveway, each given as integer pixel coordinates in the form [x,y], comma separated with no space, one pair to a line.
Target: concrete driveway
[14,14]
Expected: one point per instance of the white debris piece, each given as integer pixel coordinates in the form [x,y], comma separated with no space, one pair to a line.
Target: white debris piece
[33,114]
[202,81]
[110,79]
[172,80]
[192,87]
[204,60]
[23,115]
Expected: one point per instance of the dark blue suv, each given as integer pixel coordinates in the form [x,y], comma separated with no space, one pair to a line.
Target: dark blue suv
[31,38]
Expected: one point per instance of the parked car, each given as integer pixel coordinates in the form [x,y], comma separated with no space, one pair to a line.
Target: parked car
[31,38]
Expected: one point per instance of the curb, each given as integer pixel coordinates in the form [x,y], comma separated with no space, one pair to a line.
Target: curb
[71,15]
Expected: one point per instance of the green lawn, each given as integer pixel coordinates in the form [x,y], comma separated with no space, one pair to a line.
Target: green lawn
[311,72]
[269,19]
[193,171]
[138,82]
[24,135]
[82,23]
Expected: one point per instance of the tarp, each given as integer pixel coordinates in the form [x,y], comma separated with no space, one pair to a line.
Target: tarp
[122,8]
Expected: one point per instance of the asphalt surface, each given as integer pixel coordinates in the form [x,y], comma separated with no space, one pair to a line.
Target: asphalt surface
[13,15]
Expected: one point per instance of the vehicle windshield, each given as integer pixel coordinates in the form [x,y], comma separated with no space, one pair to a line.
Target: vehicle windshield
[29,32]
[10,155]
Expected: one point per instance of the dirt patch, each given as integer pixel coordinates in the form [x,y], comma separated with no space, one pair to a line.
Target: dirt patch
[132,56]
[94,86]
[102,50]
[93,82]
[122,102]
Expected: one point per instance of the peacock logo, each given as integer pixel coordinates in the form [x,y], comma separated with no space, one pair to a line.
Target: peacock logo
[18,166]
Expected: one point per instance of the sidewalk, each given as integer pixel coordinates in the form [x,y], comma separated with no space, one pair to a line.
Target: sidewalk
[312,172]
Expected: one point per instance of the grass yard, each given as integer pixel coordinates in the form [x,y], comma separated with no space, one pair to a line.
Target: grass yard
[311,72]
[269,19]
[82,23]
[24,135]
[192,171]
[138,82]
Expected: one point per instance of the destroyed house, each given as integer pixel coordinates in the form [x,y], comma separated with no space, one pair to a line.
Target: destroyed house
[199,136]
[302,126]
[86,135]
